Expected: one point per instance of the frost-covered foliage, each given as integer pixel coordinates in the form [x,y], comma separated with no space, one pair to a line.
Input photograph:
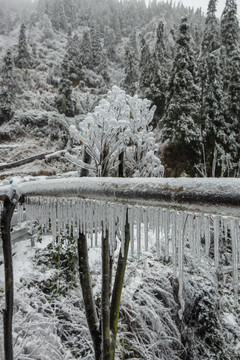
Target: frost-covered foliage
[120,124]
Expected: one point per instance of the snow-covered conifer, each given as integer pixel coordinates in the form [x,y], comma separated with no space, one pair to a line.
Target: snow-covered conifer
[23,59]
[145,68]
[182,111]
[96,47]
[7,89]
[86,50]
[158,88]
[230,31]
[131,75]
[47,29]
[64,102]
[211,37]
[230,36]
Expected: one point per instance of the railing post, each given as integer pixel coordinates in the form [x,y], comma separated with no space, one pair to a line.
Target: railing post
[6,217]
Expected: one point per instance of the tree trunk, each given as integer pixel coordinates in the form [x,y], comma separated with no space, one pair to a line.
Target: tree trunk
[117,289]
[89,304]
[106,288]
[120,166]
[86,160]
[6,217]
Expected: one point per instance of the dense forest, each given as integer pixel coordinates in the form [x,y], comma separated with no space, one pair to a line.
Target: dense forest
[59,58]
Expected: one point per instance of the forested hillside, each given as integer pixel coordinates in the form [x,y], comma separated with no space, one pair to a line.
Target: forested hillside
[59,58]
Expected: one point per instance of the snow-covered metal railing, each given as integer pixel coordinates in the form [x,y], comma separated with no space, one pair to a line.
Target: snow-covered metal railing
[182,211]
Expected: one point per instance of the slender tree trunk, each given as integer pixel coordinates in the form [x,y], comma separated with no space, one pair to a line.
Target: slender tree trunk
[120,167]
[89,304]
[86,160]
[6,217]
[117,289]
[106,288]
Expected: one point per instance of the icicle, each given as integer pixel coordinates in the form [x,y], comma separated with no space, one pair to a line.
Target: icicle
[234,225]
[157,225]
[77,215]
[166,219]
[198,237]
[216,240]
[173,238]
[145,221]
[139,221]
[131,227]
[181,226]
[53,220]
[207,234]
[122,221]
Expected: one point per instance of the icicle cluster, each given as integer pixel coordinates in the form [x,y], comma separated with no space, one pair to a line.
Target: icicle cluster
[175,232]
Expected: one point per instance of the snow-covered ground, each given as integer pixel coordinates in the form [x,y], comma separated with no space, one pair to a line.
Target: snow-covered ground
[49,320]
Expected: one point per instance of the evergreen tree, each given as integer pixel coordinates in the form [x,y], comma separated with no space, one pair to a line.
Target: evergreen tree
[103,68]
[230,31]
[131,76]
[62,16]
[211,37]
[157,91]
[145,68]
[133,43]
[216,133]
[47,29]
[74,59]
[86,51]
[110,43]
[96,47]
[7,89]
[180,122]
[23,59]
[64,102]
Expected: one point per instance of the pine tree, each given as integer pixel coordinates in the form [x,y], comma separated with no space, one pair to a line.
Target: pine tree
[103,67]
[47,30]
[7,91]
[180,122]
[216,133]
[74,58]
[211,37]
[230,33]
[86,51]
[96,47]
[145,68]
[157,91]
[62,16]
[23,59]
[110,43]
[131,76]
[64,102]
